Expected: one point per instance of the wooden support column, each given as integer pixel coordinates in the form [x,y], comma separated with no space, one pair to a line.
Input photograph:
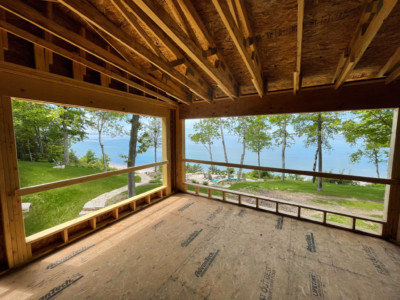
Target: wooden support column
[180,153]
[391,229]
[166,152]
[13,225]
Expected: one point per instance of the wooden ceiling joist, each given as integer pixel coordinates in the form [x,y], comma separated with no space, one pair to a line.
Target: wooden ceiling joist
[131,12]
[393,75]
[27,13]
[372,18]
[251,61]
[391,63]
[75,57]
[169,26]
[297,73]
[89,13]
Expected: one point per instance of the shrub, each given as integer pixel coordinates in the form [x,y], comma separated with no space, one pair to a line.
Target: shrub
[194,181]
[205,182]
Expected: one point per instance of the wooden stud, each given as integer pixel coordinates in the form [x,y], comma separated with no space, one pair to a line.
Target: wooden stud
[197,190]
[368,26]
[257,203]
[240,199]
[93,223]
[40,61]
[392,194]
[166,152]
[324,217]
[115,213]
[148,199]
[180,153]
[298,212]
[25,12]
[64,235]
[300,18]
[277,207]
[353,223]
[132,205]
[209,193]
[223,196]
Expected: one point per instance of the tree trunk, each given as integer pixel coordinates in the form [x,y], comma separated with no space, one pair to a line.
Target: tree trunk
[315,164]
[259,171]
[65,136]
[211,159]
[244,147]
[39,139]
[29,151]
[376,162]
[132,154]
[284,148]
[223,145]
[155,156]
[319,188]
[102,152]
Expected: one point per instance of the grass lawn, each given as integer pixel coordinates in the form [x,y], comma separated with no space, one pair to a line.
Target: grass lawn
[371,192]
[346,221]
[364,205]
[56,206]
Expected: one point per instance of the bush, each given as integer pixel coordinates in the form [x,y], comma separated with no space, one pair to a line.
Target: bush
[205,182]
[194,181]
[158,180]
[254,174]
[138,179]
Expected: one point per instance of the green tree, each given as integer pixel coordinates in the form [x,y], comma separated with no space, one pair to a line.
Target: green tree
[371,131]
[318,129]
[222,124]
[152,135]
[206,130]
[281,134]
[73,123]
[106,122]
[258,137]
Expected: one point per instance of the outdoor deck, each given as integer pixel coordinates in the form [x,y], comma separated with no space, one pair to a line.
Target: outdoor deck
[188,247]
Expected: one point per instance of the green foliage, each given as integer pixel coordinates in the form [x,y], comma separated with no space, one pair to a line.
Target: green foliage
[363,205]
[138,179]
[370,131]
[89,160]
[263,174]
[194,181]
[206,130]
[281,134]
[205,182]
[73,158]
[193,168]
[371,192]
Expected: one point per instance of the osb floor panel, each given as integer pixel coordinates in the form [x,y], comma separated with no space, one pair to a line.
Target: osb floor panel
[188,247]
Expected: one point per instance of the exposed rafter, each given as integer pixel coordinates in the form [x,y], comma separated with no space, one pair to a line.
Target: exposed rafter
[89,13]
[251,60]
[169,26]
[391,63]
[393,75]
[375,12]
[27,13]
[297,73]
[131,12]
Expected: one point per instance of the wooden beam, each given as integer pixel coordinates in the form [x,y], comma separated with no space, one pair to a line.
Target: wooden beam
[180,153]
[51,88]
[31,15]
[392,194]
[81,62]
[234,32]
[393,75]
[169,26]
[67,182]
[298,172]
[14,233]
[374,14]
[390,64]
[89,13]
[351,97]
[300,18]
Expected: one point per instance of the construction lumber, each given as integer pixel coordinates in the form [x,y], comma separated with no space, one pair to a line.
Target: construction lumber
[253,65]
[297,73]
[390,64]
[169,26]
[354,96]
[27,13]
[374,14]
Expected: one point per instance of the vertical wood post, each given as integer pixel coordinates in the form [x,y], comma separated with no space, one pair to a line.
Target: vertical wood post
[13,224]
[166,153]
[180,153]
[391,229]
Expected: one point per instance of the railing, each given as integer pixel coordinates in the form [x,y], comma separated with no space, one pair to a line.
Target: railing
[59,235]
[279,203]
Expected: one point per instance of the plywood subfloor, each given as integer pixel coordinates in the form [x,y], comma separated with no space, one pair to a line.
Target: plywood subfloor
[188,247]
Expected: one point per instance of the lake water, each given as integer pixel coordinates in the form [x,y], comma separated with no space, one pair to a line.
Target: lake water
[297,156]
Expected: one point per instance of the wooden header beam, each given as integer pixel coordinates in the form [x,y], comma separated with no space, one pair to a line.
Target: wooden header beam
[253,65]
[375,13]
[353,96]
